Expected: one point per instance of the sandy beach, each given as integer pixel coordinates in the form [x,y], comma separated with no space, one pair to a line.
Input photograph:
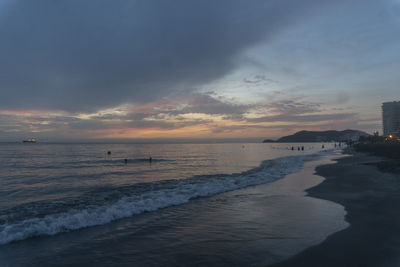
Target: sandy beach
[371,198]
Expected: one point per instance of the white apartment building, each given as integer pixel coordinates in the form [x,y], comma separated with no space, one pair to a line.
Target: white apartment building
[391,117]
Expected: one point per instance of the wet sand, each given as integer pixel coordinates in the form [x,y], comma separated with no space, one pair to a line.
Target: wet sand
[372,199]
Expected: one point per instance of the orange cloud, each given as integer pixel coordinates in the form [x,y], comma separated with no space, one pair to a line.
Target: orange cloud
[30,112]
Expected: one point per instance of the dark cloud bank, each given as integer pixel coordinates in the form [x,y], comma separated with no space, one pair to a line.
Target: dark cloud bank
[83,55]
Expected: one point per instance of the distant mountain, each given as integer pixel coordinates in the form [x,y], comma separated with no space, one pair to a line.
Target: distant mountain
[324,136]
[269,141]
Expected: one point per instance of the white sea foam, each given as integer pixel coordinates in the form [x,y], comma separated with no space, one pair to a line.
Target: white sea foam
[155,197]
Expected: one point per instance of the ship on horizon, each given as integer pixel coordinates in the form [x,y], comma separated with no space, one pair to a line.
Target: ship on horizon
[30,140]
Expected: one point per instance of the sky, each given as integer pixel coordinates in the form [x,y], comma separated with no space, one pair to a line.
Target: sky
[75,70]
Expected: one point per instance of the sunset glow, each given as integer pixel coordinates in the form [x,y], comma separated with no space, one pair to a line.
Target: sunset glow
[252,84]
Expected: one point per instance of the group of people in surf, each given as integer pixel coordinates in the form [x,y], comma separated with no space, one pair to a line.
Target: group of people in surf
[301,148]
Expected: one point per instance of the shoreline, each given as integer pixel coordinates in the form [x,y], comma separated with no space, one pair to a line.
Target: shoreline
[252,226]
[370,197]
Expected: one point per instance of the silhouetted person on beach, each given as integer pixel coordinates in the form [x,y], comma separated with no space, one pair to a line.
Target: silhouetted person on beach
[150,159]
[109,153]
[292,148]
[126,161]
[302,148]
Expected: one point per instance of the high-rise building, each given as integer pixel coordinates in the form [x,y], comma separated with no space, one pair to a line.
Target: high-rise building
[391,117]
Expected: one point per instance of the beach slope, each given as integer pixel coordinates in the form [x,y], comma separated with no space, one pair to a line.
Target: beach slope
[371,198]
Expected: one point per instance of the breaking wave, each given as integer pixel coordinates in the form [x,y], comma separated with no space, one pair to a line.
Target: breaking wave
[103,206]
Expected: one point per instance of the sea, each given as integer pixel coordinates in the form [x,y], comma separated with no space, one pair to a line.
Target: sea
[217,204]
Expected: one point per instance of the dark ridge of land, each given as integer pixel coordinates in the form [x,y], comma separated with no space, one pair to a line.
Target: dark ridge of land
[390,152]
[387,150]
[372,199]
[269,141]
[322,136]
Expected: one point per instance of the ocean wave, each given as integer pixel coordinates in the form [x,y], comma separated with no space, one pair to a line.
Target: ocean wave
[94,163]
[105,205]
